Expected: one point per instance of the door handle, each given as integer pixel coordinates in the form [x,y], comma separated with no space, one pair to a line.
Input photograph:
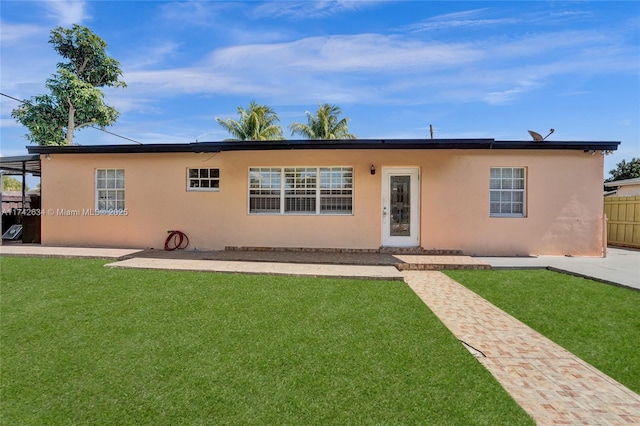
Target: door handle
[384,210]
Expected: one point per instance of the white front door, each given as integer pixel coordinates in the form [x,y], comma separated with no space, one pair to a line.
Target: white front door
[401,207]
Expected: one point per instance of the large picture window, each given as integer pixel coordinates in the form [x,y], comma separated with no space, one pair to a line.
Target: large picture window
[507,192]
[109,190]
[301,190]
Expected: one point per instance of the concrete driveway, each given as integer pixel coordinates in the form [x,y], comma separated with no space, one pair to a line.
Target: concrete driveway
[620,267]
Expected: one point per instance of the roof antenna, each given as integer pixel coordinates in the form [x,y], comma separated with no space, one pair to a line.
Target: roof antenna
[537,137]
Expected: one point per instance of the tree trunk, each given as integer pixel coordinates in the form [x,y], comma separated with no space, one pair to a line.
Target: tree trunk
[71,124]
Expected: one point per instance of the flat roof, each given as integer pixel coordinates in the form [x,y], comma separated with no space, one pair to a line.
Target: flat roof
[623,182]
[326,145]
[18,165]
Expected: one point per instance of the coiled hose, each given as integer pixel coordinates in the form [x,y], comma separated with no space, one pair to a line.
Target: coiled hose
[176,240]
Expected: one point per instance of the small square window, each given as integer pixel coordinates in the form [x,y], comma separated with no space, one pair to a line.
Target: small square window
[203,180]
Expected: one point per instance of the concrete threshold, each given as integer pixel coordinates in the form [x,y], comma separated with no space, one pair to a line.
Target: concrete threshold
[439,262]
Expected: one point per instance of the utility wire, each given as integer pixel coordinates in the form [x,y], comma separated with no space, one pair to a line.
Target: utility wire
[22,101]
[115,134]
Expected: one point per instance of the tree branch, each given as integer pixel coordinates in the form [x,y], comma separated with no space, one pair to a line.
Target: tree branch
[89,123]
[84,64]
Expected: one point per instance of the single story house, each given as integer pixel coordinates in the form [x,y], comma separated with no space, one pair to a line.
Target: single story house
[479,196]
[623,187]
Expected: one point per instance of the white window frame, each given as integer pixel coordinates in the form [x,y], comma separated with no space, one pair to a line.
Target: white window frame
[110,190]
[201,179]
[325,190]
[508,190]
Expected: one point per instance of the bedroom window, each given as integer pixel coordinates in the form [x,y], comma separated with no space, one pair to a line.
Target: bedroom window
[203,179]
[264,190]
[110,190]
[507,192]
[301,190]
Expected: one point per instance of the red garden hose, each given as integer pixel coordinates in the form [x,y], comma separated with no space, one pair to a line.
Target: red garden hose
[176,240]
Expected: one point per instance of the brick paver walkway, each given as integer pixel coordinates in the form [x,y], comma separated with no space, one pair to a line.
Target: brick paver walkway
[554,386]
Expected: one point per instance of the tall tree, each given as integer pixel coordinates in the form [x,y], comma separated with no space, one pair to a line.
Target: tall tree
[75,100]
[325,124]
[625,170]
[256,123]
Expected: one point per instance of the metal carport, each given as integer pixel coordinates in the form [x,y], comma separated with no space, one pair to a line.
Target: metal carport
[20,166]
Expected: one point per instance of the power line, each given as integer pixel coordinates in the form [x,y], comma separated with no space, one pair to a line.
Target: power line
[22,101]
[115,134]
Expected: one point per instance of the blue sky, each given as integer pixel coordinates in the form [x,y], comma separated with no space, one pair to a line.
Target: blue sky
[471,69]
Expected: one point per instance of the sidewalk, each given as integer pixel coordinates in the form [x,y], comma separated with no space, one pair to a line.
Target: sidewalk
[266,268]
[554,386]
[36,250]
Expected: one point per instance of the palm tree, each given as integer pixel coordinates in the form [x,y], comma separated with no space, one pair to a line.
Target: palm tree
[326,124]
[257,123]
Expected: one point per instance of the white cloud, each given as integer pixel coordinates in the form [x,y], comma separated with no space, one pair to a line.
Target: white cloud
[13,33]
[507,95]
[385,68]
[362,52]
[197,13]
[335,69]
[309,9]
[5,123]
[152,55]
[458,20]
[67,12]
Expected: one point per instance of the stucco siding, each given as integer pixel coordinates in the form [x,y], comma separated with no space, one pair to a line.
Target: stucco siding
[564,203]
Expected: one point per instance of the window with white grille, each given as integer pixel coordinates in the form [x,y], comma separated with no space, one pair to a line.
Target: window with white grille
[301,190]
[109,190]
[336,190]
[264,190]
[203,179]
[507,193]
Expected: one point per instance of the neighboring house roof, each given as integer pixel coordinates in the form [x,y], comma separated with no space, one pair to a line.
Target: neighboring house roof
[488,144]
[623,182]
[629,187]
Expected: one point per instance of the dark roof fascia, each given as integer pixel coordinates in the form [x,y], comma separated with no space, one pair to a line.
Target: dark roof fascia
[325,145]
[109,149]
[559,145]
[268,146]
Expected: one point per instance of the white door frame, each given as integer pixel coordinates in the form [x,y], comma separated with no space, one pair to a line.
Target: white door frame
[413,237]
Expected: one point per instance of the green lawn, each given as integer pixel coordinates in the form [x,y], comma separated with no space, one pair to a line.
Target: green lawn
[84,344]
[599,323]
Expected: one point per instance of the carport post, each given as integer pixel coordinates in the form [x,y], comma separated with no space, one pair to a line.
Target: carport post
[24,183]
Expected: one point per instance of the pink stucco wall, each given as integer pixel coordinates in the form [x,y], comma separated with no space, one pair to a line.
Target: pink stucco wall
[564,201]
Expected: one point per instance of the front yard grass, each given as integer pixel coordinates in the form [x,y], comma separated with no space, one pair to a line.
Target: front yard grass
[597,322]
[84,344]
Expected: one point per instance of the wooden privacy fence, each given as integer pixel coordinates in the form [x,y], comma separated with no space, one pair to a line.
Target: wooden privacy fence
[623,220]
